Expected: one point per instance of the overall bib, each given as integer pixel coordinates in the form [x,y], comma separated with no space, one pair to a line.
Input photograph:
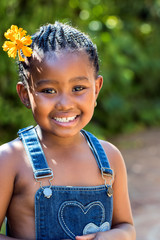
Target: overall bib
[63,212]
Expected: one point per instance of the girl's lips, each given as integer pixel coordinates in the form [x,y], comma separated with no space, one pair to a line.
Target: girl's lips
[66,121]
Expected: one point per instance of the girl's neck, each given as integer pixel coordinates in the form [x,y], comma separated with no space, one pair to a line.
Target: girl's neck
[48,140]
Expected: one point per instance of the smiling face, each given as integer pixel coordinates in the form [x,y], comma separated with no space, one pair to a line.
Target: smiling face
[62,93]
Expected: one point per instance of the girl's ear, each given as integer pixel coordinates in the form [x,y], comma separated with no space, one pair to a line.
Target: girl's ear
[98,85]
[23,94]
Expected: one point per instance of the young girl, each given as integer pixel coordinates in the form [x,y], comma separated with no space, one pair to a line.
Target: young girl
[58,181]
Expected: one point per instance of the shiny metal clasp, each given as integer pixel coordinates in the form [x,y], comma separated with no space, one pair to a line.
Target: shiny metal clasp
[107,173]
[39,175]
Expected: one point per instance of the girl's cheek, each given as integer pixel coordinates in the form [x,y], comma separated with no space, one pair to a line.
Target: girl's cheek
[40,99]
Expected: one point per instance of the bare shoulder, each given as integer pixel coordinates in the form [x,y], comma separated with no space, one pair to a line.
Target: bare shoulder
[114,156]
[10,147]
[9,154]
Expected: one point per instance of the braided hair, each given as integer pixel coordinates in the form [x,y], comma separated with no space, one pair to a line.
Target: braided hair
[56,37]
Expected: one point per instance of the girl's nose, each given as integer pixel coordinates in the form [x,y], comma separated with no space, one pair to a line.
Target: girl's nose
[64,102]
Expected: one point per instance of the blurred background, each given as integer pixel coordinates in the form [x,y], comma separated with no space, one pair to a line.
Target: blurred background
[127,35]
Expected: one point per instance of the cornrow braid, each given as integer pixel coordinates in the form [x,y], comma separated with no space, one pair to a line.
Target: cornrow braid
[56,37]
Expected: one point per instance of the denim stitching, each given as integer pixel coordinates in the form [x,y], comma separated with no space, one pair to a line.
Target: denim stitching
[81,189]
[74,189]
[82,207]
[65,189]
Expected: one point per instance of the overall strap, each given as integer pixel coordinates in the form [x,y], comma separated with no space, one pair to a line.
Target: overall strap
[35,153]
[98,152]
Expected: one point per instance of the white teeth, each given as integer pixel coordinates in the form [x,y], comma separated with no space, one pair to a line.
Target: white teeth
[65,119]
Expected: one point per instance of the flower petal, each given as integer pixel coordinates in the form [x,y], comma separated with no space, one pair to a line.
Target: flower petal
[12,52]
[7,45]
[9,35]
[26,40]
[14,28]
[27,51]
[22,33]
[20,56]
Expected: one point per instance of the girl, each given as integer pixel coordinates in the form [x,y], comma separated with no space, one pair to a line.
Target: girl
[56,179]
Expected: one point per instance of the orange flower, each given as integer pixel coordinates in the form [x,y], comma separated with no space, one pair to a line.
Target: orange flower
[18,41]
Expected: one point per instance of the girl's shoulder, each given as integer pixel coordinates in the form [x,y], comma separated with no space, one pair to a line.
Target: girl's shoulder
[109,148]
[11,156]
[11,151]
[114,156]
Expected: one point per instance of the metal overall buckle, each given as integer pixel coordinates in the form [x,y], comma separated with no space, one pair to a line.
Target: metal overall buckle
[46,190]
[105,177]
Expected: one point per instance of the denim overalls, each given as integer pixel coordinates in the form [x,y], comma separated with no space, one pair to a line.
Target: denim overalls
[63,212]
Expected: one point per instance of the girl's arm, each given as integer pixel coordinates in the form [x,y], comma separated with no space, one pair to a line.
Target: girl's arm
[7,178]
[122,222]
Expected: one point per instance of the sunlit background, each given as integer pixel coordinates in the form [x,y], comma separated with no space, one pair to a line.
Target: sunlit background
[127,34]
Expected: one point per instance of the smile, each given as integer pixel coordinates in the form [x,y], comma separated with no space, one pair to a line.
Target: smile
[65,120]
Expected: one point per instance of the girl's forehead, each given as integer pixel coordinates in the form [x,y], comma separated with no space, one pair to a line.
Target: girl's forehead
[60,61]
[62,55]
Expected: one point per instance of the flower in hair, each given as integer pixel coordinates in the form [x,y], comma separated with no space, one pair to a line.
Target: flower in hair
[18,43]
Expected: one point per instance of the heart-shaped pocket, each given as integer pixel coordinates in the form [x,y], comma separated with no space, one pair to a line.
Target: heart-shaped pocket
[74,216]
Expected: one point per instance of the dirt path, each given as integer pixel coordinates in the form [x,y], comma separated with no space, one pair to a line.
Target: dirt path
[141,152]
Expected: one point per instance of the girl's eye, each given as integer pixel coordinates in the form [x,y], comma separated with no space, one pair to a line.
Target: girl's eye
[49,91]
[78,88]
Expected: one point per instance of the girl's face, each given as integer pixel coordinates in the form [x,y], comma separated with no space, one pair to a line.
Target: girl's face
[62,93]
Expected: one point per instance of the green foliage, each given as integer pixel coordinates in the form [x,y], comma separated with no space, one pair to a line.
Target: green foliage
[3,228]
[127,36]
